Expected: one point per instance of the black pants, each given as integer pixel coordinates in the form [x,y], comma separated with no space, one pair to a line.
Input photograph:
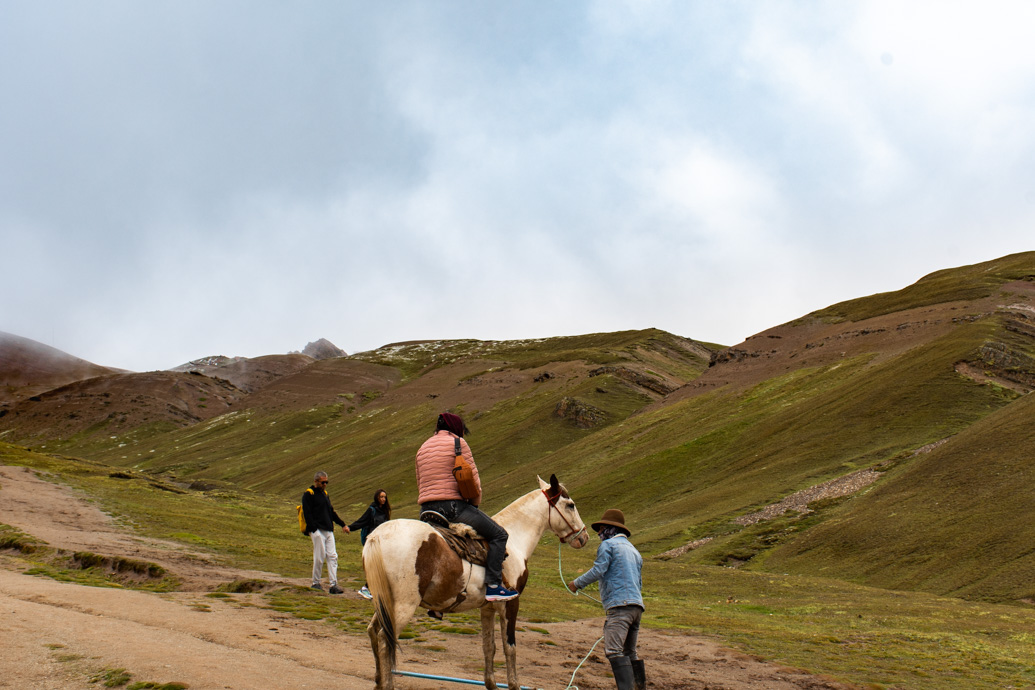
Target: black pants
[485,526]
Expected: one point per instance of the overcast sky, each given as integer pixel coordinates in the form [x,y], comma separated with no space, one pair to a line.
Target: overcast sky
[183,179]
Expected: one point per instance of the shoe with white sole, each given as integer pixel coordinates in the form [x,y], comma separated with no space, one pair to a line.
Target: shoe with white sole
[499,593]
[365,593]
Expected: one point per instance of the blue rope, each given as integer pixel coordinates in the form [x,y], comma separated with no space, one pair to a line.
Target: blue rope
[452,680]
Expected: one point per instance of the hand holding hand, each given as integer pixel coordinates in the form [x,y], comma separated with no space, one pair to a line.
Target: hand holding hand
[346,529]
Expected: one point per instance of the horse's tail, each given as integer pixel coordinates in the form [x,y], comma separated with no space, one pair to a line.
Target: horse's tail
[381,587]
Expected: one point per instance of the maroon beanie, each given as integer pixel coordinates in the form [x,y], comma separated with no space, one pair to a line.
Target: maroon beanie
[451,422]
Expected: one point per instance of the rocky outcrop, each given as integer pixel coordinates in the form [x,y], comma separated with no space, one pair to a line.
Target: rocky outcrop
[323,349]
[582,414]
[637,378]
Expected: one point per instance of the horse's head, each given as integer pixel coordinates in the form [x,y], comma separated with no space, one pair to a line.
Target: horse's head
[564,516]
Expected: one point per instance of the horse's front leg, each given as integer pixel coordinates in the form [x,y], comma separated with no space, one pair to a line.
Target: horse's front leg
[489,644]
[508,635]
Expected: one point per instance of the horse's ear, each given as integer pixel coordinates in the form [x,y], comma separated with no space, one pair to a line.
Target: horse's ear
[542,485]
[555,486]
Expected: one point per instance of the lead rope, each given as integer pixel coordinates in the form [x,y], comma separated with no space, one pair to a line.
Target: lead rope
[570,685]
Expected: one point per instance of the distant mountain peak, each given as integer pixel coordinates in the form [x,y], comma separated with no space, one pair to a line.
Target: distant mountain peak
[323,349]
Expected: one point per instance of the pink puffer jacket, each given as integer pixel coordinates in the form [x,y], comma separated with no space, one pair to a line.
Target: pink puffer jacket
[435,460]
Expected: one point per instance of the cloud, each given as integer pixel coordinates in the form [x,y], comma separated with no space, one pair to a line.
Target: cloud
[187,179]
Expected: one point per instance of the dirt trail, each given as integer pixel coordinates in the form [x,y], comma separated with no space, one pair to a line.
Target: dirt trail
[58,635]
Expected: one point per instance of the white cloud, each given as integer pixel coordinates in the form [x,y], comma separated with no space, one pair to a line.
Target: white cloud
[356,173]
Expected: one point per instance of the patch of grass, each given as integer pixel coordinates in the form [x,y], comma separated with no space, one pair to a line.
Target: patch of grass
[112,677]
[346,614]
[118,564]
[244,586]
[12,538]
[456,630]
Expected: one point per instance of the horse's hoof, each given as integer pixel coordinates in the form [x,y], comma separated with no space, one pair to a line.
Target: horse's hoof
[437,615]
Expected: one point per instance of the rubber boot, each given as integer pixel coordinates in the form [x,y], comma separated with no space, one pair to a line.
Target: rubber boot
[639,674]
[621,666]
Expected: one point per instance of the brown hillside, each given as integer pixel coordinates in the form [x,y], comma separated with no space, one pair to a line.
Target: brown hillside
[322,382]
[117,403]
[812,341]
[249,374]
[28,367]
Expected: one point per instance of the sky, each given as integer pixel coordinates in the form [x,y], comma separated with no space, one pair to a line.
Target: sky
[194,178]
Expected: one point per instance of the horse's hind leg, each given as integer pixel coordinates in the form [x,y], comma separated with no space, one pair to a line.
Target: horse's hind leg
[489,644]
[372,632]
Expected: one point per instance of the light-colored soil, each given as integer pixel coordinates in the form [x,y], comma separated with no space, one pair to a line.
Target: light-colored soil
[58,635]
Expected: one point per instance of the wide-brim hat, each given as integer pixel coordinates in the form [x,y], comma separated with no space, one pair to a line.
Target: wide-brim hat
[613,517]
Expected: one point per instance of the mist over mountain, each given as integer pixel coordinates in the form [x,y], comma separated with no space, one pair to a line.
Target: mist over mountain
[28,367]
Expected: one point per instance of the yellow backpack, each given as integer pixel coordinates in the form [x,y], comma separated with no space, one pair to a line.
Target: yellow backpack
[301,514]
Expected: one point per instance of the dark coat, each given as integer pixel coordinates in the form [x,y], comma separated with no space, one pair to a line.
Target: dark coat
[375,515]
[318,511]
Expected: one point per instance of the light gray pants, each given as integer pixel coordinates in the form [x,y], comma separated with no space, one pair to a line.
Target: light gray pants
[324,552]
[621,630]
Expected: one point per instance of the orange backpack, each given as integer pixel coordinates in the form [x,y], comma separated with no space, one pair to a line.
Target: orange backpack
[464,474]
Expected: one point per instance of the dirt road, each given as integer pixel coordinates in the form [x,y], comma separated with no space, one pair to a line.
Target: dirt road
[56,635]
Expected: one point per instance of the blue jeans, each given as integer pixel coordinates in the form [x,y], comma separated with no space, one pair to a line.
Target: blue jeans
[485,526]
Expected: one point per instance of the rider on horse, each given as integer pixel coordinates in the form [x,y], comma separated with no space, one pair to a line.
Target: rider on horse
[438,492]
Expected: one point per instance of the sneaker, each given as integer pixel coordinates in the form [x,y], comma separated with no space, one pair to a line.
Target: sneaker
[335,589]
[499,593]
[365,593]
[317,588]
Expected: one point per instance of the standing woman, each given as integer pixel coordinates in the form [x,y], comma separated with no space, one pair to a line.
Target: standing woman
[379,511]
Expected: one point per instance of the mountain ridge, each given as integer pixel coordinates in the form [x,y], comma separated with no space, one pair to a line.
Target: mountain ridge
[688,437]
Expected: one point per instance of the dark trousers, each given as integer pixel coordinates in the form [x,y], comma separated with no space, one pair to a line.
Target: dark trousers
[621,630]
[485,526]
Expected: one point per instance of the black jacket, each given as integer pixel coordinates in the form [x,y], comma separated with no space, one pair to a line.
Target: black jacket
[319,514]
[375,515]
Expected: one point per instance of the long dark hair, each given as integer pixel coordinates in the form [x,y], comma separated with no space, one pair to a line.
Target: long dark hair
[387,506]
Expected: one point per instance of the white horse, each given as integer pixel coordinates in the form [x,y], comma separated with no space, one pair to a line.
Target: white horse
[409,564]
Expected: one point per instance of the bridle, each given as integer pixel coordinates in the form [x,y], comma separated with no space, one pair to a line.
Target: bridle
[553,506]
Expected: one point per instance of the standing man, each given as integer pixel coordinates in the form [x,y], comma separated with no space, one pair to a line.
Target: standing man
[319,523]
[438,491]
[617,567]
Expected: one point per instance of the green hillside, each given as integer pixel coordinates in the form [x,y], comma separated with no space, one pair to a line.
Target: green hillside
[614,417]
[959,520]
[966,283]
[508,392]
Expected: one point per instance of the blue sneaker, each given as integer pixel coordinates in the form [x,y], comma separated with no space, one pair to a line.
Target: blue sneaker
[499,593]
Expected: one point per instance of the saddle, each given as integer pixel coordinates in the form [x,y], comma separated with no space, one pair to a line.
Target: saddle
[460,537]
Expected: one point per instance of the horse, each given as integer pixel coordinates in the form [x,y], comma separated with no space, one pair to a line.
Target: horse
[409,564]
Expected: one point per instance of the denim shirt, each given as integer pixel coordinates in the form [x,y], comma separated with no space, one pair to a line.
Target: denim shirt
[618,568]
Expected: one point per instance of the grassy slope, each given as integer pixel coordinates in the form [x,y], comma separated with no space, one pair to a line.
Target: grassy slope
[726,454]
[963,283]
[861,634]
[373,446]
[959,520]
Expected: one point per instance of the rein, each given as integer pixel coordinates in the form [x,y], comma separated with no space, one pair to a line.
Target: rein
[553,506]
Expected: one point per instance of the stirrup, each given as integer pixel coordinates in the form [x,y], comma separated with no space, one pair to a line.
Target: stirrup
[433,517]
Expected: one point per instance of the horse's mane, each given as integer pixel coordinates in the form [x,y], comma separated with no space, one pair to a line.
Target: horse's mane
[520,500]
